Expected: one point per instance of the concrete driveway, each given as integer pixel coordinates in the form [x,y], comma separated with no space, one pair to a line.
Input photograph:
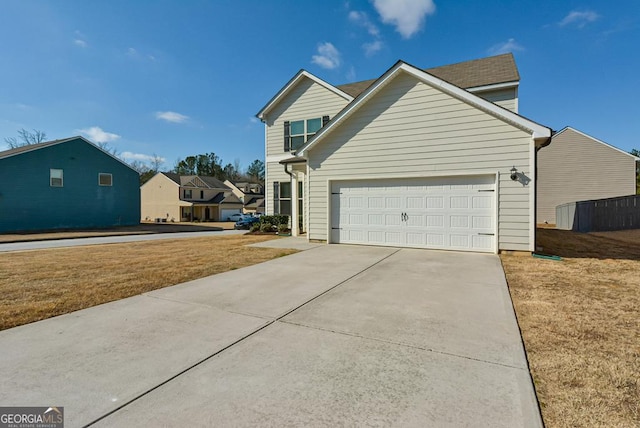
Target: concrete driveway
[336,335]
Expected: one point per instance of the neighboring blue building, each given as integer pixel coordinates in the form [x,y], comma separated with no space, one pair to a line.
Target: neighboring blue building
[66,184]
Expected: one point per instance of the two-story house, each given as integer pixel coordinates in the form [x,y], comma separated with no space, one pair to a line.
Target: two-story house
[172,197]
[251,195]
[66,184]
[435,158]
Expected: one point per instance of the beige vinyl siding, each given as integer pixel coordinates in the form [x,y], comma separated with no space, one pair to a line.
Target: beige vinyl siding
[306,101]
[507,98]
[575,167]
[158,197]
[410,129]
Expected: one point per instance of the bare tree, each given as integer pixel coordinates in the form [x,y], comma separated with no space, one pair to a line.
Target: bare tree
[26,138]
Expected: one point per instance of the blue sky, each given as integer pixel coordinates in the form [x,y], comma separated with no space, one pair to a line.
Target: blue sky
[175,78]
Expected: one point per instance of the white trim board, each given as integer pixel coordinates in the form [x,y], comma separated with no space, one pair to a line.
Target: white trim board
[262,114]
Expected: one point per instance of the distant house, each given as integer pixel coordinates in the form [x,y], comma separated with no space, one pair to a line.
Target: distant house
[66,184]
[578,167]
[172,197]
[251,195]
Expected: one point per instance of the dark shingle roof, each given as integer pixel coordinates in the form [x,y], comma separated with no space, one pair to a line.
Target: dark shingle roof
[29,147]
[468,74]
[225,198]
[172,176]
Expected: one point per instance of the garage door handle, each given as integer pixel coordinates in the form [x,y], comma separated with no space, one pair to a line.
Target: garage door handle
[404,217]
[487,234]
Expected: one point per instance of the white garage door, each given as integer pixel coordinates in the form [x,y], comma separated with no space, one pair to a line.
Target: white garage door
[454,213]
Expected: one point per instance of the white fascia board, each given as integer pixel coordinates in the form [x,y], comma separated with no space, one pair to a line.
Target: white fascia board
[292,83]
[537,131]
[595,139]
[505,85]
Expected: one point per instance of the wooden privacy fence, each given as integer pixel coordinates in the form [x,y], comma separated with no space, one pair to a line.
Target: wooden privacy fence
[600,215]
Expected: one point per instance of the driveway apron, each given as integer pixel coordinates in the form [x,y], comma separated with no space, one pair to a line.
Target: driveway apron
[336,335]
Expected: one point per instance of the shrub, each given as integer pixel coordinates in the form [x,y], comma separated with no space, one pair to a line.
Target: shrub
[275,220]
[255,227]
[282,228]
[266,227]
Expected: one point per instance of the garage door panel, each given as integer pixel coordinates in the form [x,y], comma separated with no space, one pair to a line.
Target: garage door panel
[459,241]
[482,222]
[416,239]
[459,202]
[435,202]
[482,202]
[459,222]
[435,221]
[482,242]
[375,202]
[445,213]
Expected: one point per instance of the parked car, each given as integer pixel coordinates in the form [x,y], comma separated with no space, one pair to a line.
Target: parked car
[246,223]
[236,217]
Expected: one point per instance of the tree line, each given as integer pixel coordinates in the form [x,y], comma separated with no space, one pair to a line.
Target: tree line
[207,164]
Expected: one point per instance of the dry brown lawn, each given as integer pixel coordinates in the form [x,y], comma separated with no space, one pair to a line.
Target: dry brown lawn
[580,321]
[35,285]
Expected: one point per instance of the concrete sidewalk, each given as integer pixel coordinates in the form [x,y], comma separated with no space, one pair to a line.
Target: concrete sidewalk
[336,335]
[116,239]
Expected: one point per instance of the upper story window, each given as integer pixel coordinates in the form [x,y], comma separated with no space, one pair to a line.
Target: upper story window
[187,193]
[297,132]
[56,177]
[105,179]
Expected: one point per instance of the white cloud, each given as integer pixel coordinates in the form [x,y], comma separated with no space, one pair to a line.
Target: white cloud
[140,157]
[351,74]
[579,18]
[362,19]
[171,116]
[328,56]
[406,15]
[254,120]
[97,135]
[80,39]
[372,48]
[504,47]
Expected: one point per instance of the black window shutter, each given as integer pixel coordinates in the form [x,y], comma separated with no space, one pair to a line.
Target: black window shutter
[287,137]
[276,196]
[325,120]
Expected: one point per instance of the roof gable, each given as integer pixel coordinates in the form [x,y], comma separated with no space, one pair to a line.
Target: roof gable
[32,147]
[295,80]
[570,129]
[537,130]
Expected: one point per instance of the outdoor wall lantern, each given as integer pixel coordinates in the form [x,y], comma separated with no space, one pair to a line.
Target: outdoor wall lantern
[514,175]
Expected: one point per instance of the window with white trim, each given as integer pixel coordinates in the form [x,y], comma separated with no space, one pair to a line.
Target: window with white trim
[297,132]
[282,197]
[56,177]
[105,179]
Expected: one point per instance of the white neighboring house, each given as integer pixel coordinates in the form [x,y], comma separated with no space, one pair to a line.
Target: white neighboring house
[406,160]
[578,167]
